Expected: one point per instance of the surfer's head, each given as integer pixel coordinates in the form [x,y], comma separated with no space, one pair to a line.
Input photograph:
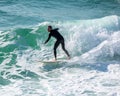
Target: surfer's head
[49,28]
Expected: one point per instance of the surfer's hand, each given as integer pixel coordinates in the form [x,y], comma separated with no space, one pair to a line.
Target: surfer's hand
[44,42]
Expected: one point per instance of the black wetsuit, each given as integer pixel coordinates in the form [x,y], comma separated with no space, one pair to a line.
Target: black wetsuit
[60,40]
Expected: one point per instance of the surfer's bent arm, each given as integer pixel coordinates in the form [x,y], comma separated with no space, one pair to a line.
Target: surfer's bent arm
[48,39]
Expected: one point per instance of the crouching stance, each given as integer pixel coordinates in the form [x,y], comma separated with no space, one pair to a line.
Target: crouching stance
[60,40]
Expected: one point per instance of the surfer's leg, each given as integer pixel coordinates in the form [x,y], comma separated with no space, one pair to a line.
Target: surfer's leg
[63,47]
[55,47]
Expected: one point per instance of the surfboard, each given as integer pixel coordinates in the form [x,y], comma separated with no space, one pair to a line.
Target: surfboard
[52,61]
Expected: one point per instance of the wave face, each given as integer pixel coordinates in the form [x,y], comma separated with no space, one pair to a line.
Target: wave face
[91,29]
[94,68]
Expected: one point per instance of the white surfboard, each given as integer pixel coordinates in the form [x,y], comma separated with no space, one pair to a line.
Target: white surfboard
[52,61]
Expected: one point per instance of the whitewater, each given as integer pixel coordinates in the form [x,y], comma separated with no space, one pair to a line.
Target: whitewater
[92,40]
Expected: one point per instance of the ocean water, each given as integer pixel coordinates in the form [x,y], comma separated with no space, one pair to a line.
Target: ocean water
[91,29]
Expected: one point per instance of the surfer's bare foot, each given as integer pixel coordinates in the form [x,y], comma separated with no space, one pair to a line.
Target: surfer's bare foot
[54,60]
[68,57]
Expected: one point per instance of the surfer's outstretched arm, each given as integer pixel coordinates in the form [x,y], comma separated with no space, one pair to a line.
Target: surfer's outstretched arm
[48,39]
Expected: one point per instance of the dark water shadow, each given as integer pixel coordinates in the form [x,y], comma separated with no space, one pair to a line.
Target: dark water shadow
[99,66]
[4,81]
[52,66]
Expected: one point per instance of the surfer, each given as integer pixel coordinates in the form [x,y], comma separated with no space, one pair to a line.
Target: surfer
[60,40]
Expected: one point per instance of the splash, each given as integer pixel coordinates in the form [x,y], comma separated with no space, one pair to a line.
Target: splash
[93,69]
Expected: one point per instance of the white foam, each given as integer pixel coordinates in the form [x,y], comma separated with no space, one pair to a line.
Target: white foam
[74,78]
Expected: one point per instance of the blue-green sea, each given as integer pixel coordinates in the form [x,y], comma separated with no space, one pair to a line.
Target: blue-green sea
[91,29]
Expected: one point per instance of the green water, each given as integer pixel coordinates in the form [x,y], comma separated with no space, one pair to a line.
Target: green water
[91,30]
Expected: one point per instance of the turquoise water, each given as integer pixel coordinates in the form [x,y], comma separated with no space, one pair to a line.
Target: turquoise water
[91,29]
